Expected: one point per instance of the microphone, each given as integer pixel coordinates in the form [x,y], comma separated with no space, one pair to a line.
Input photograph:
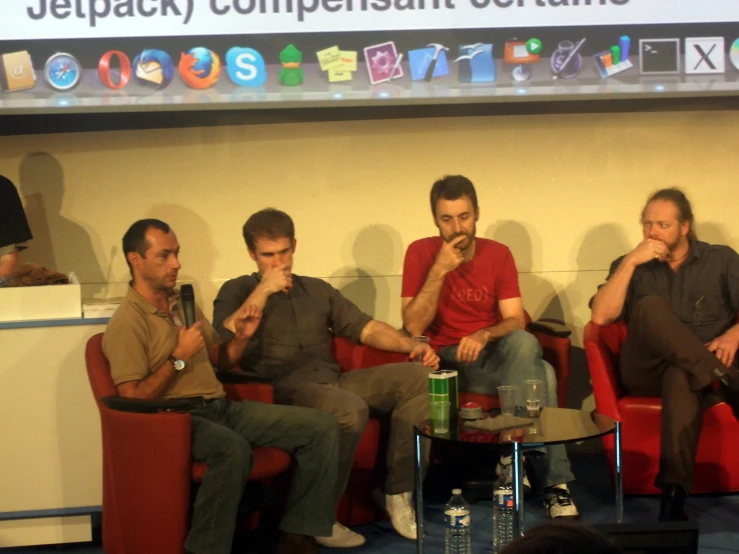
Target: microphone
[187,295]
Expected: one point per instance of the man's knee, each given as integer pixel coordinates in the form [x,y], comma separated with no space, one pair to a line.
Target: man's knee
[352,417]
[650,306]
[520,344]
[415,379]
[233,451]
[318,423]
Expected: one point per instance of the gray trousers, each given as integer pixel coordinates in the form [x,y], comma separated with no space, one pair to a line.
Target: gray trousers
[399,390]
[223,434]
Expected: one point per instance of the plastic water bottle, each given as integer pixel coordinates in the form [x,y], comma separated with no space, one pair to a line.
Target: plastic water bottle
[503,514]
[457,523]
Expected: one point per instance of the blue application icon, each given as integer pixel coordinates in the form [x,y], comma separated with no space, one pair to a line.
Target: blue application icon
[420,60]
[476,63]
[246,67]
[153,68]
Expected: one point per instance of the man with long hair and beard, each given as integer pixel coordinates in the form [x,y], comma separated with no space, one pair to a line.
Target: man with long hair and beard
[462,292]
[680,298]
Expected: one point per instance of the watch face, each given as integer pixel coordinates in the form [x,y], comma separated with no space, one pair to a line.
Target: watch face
[179,365]
[62,72]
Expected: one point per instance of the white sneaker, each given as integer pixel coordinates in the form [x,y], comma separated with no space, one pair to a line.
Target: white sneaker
[558,503]
[505,467]
[400,509]
[341,537]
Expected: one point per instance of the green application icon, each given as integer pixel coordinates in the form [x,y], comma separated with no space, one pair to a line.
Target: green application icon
[533,46]
[291,74]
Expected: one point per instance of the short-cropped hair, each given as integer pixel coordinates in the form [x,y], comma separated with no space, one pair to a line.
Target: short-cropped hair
[452,187]
[135,238]
[268,223]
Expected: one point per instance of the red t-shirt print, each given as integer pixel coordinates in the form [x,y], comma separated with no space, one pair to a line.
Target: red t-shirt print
[470,294]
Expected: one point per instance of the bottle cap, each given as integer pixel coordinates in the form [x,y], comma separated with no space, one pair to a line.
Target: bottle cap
[456,491]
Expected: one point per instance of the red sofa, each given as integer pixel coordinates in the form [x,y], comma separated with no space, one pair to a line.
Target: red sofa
[717,460]
[147,468]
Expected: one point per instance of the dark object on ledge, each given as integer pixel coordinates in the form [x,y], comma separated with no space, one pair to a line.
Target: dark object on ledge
[30,275]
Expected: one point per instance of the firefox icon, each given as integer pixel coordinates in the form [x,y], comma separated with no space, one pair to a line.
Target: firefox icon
[200,68]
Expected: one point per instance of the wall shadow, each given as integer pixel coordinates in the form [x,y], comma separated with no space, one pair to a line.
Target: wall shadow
[196,243]
[525,245]
[59,243]
[713,233]
[376,254]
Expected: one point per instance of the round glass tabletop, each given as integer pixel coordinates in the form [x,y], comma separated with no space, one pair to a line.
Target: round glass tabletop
[553,426]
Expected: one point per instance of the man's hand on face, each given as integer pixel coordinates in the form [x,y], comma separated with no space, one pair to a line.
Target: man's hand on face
[424,353]
[648,250]
[470,347]
[450,256]
[246,320]
[725,347]
[189,342]
[278,278]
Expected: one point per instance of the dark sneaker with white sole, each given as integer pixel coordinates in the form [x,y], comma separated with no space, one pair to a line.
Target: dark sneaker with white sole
[558,503]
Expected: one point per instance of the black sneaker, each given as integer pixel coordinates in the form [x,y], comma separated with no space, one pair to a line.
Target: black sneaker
[558,503]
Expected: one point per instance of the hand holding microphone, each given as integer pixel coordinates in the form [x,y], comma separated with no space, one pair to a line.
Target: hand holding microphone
[190,341]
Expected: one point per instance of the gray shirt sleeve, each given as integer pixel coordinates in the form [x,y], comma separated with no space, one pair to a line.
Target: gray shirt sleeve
[347,320]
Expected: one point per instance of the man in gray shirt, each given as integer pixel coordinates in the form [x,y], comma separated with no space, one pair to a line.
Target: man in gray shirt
[680,298]
[292,350]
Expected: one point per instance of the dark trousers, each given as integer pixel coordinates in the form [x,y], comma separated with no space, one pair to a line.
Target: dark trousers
[223,433]
[663,357]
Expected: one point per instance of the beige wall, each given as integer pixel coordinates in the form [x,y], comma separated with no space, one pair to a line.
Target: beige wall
[563,191]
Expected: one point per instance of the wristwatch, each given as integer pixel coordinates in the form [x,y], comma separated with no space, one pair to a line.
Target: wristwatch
[178,364]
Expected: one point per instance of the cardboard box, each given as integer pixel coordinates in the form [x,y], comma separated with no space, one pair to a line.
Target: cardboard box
[45,302]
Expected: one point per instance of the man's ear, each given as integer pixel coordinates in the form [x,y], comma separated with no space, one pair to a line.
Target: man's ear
[134,258]
[477,214]
[252,255]
[295,244]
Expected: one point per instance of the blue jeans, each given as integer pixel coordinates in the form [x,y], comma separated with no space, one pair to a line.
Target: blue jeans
[223,434]
[511,360]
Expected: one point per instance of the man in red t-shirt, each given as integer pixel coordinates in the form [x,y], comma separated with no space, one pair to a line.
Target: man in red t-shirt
[462,292]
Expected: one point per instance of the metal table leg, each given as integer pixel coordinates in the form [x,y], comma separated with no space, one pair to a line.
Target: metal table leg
[619,477]
[517,489]
[419,493]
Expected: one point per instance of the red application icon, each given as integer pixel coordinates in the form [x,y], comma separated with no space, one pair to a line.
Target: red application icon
[114,79]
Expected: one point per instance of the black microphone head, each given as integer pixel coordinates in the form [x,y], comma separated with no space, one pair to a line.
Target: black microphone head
[187,293]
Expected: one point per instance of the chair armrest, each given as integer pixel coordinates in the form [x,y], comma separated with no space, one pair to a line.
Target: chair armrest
[142,406]
[602,372]
[551,327]
[351,356]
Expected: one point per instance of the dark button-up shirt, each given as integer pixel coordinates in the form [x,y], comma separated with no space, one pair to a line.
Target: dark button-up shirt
[292,345]
[703,292]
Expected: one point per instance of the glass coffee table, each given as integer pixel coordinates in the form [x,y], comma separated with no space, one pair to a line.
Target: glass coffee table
[514,435]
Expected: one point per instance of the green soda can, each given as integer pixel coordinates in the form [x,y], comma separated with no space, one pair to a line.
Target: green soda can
[444,387]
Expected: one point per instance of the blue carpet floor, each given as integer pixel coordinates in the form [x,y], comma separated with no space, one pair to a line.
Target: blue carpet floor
[717,516]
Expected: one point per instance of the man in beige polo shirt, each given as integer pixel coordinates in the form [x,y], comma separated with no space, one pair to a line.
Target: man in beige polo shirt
[153,356]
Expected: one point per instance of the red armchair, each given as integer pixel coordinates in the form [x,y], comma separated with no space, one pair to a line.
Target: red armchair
[554,339]
[147,469]
[717,459]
